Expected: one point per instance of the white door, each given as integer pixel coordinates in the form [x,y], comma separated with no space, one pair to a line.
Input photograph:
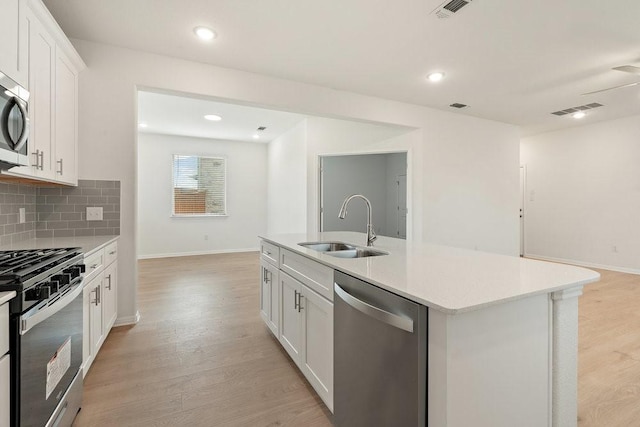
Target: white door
[290,325]
[65,124]
[317,350]
[402,206]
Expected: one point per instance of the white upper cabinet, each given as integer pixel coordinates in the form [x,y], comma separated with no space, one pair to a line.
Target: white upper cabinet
[53,66]
[13,41]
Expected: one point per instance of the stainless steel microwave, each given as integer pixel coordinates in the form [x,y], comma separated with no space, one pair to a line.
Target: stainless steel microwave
[14,124]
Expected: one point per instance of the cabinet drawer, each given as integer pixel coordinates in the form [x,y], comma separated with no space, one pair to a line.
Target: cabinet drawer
[270,252]
[94,264]
[110,253]
[4,329]
[313,274]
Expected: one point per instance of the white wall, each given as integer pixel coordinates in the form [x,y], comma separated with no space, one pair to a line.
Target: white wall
[464,185]
[583,194]
[163,235]
[287,182]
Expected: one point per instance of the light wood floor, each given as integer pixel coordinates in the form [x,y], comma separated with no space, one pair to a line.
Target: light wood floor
[201,355]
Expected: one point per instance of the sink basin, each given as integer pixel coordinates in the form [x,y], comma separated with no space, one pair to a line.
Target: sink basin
[327,246]
[357,253]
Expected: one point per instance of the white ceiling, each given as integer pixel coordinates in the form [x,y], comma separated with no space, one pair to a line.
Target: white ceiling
[514,61]
[178,115]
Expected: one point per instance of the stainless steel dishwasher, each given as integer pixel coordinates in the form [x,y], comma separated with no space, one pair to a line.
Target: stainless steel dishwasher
[380,356]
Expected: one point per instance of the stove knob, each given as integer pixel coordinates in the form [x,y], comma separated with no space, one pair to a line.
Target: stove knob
[32,294]
[62,279]
[45,291]
[54,286]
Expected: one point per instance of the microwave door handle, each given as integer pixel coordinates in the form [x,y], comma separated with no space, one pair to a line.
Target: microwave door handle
[29,321]
[25,128]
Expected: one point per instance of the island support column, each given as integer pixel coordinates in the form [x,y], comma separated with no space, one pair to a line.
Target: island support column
[565,357]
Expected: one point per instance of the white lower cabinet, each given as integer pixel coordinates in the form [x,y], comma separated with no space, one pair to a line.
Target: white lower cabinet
[296,301]
[100,296]
[270,296]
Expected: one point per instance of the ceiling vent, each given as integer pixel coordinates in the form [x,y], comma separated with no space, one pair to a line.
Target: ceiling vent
[576,109]
[449,8]
[458,105]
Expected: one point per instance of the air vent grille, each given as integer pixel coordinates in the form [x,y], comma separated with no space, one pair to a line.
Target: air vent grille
[458,105]
[448,8]
[578,108]
[455,5]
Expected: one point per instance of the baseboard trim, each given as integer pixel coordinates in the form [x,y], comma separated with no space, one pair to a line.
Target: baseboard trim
[128,320]
[584,264]
[181,254]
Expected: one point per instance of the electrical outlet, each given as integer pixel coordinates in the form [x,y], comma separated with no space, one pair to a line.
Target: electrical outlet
[94,213]
[206,237]
[23,216]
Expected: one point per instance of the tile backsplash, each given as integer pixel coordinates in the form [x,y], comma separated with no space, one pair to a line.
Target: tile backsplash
[62,211]
[12,198]
[58,211]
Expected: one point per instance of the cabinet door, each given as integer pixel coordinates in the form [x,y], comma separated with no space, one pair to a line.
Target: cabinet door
[265,292]
[317,349]
[87,294]
[13,40]
[4,389]
[65,103]
[109,307]
[290,325]
[95,318]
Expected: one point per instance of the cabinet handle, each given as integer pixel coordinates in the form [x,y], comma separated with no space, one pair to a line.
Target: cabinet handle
[295,300]
[99,293]
[93,266]
[41,155]
[37,154]
[299,302]
[109,278]
[112,253]
[95,292]
[60,162]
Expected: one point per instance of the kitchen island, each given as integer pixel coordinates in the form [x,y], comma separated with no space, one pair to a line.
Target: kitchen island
[502,330]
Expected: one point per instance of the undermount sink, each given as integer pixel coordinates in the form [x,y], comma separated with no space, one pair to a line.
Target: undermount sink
[327,246]
[357,253]
[342,250]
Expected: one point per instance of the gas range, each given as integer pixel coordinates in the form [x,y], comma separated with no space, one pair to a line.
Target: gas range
[39,274]
[45,333]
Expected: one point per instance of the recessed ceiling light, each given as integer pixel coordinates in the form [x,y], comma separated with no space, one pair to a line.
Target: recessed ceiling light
[213,117]
[204,33]
[579,115]
[256,136]
[143,125]
[436,77]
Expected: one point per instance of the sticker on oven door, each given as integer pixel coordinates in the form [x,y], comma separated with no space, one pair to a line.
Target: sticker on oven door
[58,365]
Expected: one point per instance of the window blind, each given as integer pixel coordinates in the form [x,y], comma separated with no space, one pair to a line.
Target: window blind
[199,186]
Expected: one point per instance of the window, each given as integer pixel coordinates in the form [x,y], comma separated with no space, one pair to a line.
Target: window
[199,187]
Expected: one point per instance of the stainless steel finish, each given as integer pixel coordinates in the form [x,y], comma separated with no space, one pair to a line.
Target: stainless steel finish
[380,368]
[295,300]
[327,246]
[60,162]
[22,106]
[14,87]
[371,235]
[114,252]
[69,405]
[300,296]
[401,322]
[42,312]
[108,278]
[357,253]
[37,155]
[41,160]
[93,266]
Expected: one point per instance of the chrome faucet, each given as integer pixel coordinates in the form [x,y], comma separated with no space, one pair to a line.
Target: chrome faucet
[371,235]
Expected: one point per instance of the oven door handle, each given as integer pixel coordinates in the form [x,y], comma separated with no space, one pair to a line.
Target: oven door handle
[29,321]
[4,118]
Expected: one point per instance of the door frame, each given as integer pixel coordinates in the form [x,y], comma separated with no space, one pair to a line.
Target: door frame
[409,173]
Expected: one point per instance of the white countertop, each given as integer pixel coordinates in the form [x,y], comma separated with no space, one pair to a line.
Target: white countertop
[448,279]
[87,243]
[6,296]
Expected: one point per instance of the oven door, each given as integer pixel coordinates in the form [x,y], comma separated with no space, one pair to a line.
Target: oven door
[50,355]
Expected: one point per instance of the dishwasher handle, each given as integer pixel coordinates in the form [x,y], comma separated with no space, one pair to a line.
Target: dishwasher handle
[375,312]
